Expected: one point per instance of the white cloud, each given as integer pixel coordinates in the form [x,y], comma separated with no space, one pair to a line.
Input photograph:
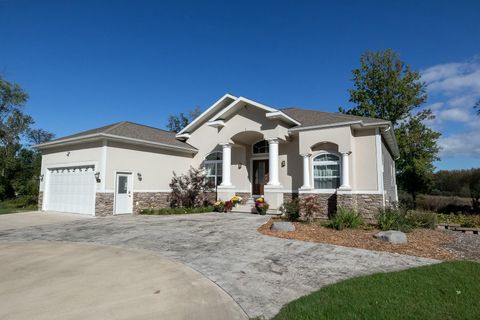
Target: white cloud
[461,144]
[454,88]
[454,114]
[452,78]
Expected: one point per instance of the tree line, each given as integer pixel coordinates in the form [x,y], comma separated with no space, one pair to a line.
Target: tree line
[19,162]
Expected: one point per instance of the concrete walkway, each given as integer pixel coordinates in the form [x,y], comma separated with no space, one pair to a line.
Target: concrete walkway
[261,273]
[56,280]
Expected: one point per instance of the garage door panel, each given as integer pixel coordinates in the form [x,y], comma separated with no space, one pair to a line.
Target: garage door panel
[72,189]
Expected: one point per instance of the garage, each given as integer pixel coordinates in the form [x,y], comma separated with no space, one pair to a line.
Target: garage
[71,189]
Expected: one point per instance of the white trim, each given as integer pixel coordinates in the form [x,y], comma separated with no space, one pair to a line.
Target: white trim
[312,164]
[103,167]
[183,136]
[203,114]
[115,191]
[281,115]
[326,191]
[378,146]
[216,124]
[216,162]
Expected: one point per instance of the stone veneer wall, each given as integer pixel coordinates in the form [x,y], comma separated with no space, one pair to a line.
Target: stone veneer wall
[244,196]
[327,202]
[104,203]
[287,197]
[144,200]
[40,201]
[366,204]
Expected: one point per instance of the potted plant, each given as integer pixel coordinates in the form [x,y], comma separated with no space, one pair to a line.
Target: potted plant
[261,206]
[218,206]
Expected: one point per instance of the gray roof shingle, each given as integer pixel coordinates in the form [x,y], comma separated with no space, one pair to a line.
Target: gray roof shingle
[309,118]
[135,131]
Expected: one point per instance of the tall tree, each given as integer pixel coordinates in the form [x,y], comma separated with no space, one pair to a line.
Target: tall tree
[177,122]
[418,150]
[387,88]
[19,164]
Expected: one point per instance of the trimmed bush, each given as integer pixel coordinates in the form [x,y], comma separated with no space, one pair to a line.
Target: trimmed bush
[291,210]
[177,210]
[345,218]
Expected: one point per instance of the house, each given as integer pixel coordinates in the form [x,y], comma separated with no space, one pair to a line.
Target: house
[248,148]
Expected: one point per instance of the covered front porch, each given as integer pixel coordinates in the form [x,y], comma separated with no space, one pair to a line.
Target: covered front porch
[250,168]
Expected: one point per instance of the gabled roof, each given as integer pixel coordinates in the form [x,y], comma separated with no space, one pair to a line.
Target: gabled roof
[126,131]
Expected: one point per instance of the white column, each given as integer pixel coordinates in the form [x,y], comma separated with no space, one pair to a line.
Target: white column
[226,164]
[345,171]
[273,162]
[306,171]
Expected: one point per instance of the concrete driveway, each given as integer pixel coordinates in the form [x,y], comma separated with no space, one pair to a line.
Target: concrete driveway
[44,280]
[261,273]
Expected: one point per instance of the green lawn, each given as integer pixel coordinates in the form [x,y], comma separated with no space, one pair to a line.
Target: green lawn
[450,290]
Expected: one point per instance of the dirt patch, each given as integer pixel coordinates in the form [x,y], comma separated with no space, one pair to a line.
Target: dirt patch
[421,242]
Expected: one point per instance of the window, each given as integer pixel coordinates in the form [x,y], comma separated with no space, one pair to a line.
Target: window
[326,171]
[213,166]
[260,147]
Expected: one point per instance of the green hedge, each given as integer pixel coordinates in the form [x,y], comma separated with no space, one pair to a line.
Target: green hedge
[169,211]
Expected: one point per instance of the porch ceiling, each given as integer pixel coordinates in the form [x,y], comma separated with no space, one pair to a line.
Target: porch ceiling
[247,137]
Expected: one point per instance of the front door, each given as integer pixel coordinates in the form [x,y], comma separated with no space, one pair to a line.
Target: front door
[260,176]
[123,193]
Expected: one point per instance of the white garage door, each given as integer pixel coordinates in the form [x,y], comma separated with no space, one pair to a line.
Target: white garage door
[72,189]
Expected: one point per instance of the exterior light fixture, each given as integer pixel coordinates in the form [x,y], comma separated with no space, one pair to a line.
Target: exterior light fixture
[40,177]
[139,176]
[239,166]
[97,176]
[283,163]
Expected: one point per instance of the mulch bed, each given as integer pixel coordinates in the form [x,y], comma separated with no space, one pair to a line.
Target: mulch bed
[426,243]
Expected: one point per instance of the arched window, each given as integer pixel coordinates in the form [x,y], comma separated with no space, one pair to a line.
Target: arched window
[326,171]
[213,166]
[261,147]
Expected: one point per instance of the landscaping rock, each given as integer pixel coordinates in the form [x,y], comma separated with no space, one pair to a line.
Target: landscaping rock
[282,226]
[392,236]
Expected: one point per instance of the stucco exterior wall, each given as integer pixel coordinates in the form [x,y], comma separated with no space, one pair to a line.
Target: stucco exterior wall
[155,165]
[389,179]
[364,161]
[78,154]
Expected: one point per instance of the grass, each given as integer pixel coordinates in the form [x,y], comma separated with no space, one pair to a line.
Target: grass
[443,291]
[16,205]
[170,211]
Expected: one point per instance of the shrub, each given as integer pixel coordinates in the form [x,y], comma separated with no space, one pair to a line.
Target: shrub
[422,219]
[345,218]
[393,219]
[444,204]
[291,210]
[188,190]
[218,206]
[461,219]
[177,210]
[308,207]
[261,206]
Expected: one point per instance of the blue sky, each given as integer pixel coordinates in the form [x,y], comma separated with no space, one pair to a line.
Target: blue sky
[91,63]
